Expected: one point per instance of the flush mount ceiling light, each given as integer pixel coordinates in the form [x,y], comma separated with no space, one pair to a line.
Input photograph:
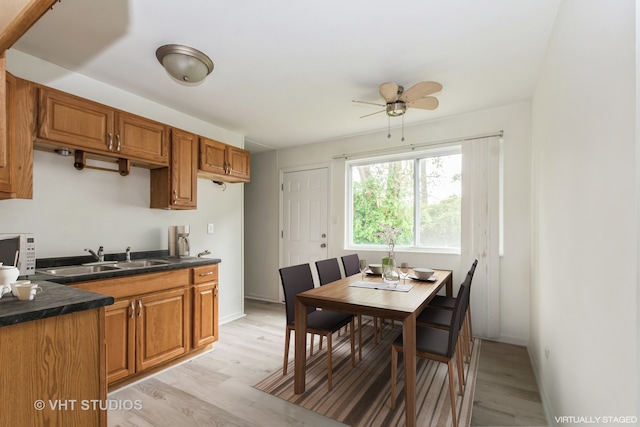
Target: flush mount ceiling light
[184,63]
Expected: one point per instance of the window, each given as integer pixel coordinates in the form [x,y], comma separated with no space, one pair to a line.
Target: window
[419,193]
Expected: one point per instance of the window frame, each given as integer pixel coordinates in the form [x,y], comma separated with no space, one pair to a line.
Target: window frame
[415,155]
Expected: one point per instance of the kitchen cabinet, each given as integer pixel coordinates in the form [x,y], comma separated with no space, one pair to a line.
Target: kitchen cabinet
[18,17]
[222,162]
[162,327]
[175,187]
[149,323]
[53,360]
[205,305]
[16,179]
[72,122]
[120,334]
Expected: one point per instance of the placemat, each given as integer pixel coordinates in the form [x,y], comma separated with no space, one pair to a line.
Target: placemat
[381,286]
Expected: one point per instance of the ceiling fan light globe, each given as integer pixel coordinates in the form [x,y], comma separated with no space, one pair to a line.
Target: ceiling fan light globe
[397,108]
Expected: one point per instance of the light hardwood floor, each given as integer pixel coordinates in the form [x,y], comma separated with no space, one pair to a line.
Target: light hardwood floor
[215,389]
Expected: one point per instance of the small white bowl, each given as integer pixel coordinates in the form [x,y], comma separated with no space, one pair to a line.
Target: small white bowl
[423,273]
[375,268]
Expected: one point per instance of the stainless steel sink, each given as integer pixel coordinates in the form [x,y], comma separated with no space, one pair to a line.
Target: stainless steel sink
[141,263]
[77,270]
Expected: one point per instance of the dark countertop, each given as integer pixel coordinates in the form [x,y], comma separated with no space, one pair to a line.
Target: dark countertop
[54,300]
[57,299]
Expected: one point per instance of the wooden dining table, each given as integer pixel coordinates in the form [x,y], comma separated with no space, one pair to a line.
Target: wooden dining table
[346,295]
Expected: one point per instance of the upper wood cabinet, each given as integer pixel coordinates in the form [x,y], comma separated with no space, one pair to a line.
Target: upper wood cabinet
[78,123]
[223,162]
[175,187]
[16,179]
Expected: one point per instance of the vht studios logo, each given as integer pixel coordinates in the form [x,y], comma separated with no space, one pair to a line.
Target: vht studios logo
[88,405]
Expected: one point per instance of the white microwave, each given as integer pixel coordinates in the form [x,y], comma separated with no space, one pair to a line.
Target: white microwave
[19,250]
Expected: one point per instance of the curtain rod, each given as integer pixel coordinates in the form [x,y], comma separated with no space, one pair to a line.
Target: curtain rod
[412,147]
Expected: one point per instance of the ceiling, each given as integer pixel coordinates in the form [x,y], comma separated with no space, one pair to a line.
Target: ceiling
[286,71]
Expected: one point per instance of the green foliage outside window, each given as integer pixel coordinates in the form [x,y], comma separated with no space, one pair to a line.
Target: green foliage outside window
[384,194]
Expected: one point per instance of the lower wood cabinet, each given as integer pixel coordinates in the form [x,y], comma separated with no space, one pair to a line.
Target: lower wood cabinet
[162,327]
[157,319]
[120,338]
[205,305]
[146,331]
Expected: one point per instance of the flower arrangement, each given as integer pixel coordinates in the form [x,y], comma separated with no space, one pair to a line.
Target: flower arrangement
[389,234]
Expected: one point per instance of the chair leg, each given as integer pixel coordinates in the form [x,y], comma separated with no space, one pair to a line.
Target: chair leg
[461,379]
[375,330]
[286,351]
[329,348]
[452,393]
[360,337]
[470,326]
[312,338]
[394,367]
[353,339]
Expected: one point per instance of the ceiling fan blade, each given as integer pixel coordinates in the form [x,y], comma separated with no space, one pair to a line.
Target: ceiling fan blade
[368,103]
[367,115]
[420,90]
[426,103]
[389,91]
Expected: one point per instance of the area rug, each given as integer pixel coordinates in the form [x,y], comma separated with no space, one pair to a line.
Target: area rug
[361,395]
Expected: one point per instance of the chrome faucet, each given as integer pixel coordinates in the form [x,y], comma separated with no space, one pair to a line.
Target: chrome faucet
[98,256]
[127,254]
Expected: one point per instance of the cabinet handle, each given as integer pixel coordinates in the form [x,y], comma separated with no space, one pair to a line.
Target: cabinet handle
[118,146]
[139,308]
[110,146]
[175,197]
[133,310]
[206,274]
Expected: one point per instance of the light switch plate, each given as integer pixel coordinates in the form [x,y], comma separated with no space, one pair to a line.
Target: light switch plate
[210,228]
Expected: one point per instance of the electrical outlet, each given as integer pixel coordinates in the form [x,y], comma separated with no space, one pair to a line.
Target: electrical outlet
[210,228]
[547,351]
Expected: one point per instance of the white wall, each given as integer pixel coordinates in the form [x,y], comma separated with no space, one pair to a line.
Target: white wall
[514,287]
[72,210]
[584,256]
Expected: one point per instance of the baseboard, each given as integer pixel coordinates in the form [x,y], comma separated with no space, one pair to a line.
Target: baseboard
[543,396]
[260,298]
[231,318]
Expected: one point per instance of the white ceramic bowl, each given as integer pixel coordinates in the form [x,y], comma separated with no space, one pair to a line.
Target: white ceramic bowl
[423,273]
[375,268]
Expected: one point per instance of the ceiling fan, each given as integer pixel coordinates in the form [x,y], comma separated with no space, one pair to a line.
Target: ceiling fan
[398,100]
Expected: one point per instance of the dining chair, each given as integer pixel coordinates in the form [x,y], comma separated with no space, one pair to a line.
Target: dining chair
[439,345]
[329,271]
[441,318]
[444,302]
[351,264]
[297,279]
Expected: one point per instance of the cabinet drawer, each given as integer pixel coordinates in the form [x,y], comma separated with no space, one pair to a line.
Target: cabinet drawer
[206,273]
[128,286]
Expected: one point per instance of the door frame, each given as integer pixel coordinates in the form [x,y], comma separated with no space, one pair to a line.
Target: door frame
[325,165]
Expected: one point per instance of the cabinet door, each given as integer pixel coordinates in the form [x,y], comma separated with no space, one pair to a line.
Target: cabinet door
[16,179]
[238,163]
[213,156]
[205,314]
[75,122]
[120,340]
[161,327]
[184,164]
[141,139]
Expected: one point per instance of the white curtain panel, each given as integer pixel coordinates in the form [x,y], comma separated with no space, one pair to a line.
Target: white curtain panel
[481,231]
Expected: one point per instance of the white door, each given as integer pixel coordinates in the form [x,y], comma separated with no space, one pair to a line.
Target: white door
[304,209]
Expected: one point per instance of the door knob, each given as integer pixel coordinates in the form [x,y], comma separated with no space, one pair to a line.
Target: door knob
[324,235]
[324,245]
